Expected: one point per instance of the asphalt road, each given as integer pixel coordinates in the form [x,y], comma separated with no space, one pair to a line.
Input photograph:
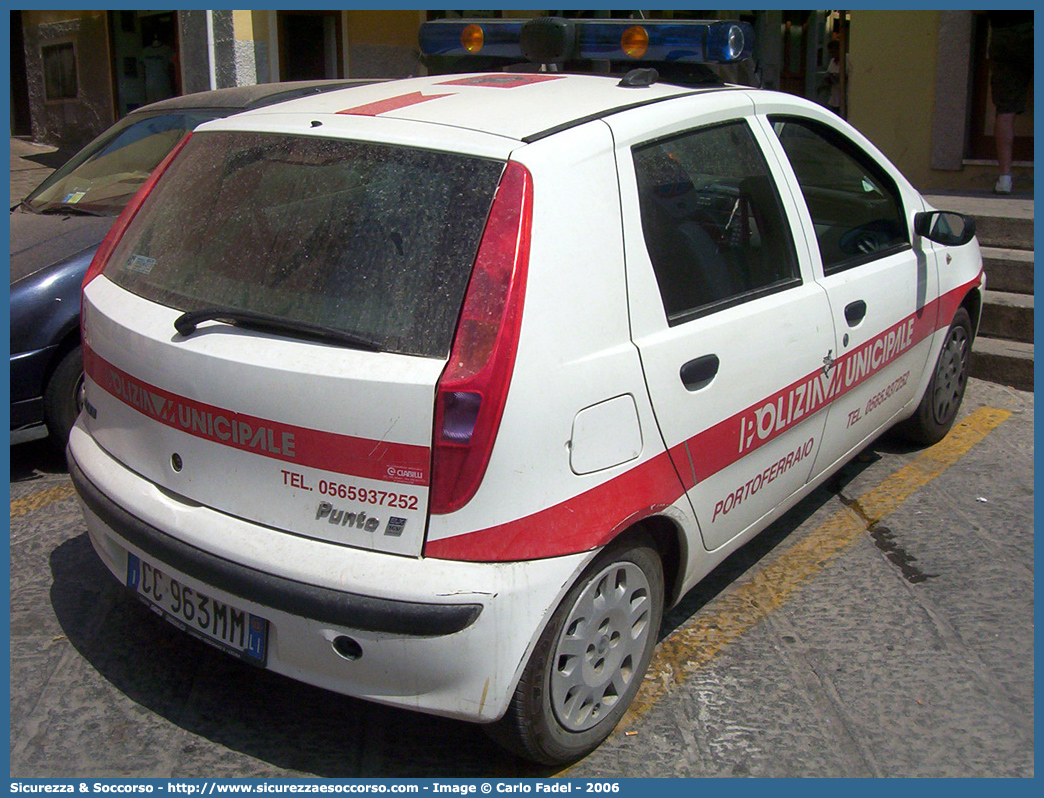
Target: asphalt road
[884,627]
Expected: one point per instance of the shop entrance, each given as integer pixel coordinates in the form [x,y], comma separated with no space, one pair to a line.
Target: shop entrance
[308,45]
[145,57]
[981,144]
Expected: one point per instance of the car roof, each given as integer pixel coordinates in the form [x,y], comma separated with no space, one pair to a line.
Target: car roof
[248,97]
[522,106]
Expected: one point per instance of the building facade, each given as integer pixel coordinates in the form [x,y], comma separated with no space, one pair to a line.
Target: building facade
[74,73]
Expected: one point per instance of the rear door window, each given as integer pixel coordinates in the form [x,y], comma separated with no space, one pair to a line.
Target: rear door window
[369,239]
[712,220]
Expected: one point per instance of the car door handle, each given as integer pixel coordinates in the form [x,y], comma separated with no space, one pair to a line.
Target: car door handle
[698,373]
[855,312]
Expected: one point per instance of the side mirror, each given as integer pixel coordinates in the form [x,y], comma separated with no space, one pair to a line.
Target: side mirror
[945,227]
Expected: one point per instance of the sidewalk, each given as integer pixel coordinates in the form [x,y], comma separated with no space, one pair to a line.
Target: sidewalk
[30,164]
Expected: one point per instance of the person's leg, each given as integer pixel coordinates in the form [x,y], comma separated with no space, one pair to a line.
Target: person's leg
[1011,70]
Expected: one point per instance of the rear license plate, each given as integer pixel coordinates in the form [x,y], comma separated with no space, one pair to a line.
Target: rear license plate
[231,629]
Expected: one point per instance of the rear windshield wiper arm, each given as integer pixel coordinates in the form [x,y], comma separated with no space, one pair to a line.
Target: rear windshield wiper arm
[186,324]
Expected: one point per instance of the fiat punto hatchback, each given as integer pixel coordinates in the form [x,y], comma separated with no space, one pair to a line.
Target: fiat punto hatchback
[437,392]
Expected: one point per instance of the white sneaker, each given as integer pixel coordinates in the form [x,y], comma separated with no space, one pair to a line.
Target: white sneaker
[1003,185]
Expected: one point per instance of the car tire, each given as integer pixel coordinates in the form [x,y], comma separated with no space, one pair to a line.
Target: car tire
[942,399]
[589,661]
[63,398]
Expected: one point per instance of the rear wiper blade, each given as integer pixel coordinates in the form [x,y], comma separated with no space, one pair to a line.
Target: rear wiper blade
[186,324]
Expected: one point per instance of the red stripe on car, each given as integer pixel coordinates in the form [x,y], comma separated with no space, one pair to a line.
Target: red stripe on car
[595,517]
[583,522]
[391,104]
[343,454]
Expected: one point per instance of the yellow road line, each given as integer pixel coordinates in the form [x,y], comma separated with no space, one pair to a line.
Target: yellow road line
[27,504]
[736,611]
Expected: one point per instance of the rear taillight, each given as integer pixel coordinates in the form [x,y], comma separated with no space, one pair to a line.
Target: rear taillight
[108,244]
[473,389]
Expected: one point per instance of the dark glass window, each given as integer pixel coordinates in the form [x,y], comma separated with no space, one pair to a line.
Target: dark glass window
[103,176]
[368,239]
[854,204]
[59,67]
[713,223]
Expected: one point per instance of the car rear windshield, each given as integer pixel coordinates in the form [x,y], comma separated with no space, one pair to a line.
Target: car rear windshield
[368,239]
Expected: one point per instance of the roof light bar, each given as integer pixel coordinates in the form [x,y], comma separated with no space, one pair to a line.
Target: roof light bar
[685,41]
[471,37]
[635,42]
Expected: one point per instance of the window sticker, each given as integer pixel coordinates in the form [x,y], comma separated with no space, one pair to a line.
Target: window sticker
[141,263]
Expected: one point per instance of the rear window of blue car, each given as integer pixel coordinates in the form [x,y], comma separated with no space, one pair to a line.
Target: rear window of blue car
[370,239]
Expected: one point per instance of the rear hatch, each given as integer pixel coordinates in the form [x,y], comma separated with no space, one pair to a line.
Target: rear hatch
[269,331]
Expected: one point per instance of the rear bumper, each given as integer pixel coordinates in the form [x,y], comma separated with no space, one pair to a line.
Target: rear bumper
[27,380]
[318,604]
[26,414]
[448,638]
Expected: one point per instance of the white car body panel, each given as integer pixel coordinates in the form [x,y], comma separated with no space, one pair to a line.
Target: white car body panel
[512,106]
[467,675]
[790,350]
[150,408]
[598,433]
[575,351]
[897,290]
[592,449]
[368,128]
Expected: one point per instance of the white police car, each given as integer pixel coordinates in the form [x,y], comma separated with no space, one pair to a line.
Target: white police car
[437,392]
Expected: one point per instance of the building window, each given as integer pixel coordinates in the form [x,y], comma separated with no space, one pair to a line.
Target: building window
[59,65]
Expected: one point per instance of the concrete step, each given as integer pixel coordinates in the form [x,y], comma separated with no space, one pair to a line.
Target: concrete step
[1003,362]
[1003,351]
[1011,233]
[1006,315]
[999,221]
[1008,270]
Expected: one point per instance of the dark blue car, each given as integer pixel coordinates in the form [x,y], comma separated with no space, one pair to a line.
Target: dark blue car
[57,228]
